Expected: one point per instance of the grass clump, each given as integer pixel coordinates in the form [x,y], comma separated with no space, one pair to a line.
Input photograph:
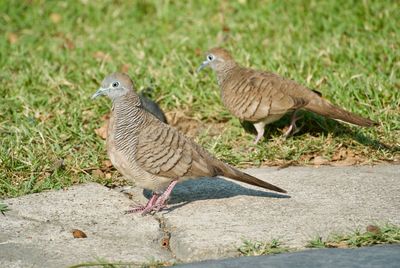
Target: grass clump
[317,242]
[107,264]
[4,208]
[257,248]
[374,235]
[156,264]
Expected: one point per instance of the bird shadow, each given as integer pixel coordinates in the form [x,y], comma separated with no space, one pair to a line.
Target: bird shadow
[315,125]
[210,188]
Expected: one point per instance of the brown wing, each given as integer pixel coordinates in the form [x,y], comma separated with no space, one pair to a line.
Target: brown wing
[259,94]
[163,151]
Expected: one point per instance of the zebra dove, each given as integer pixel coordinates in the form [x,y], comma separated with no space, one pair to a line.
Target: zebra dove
[155,154]
[264,97]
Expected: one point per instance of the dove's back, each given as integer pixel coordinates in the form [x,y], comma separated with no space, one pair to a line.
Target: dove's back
[256,95]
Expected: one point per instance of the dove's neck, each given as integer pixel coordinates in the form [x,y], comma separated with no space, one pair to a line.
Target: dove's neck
[225,71]
[128,119]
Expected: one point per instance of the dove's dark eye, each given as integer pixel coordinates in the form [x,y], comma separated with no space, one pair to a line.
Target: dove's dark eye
[115,84]
[210,57]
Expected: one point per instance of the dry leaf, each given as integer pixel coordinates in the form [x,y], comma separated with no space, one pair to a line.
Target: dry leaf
[349,161]
[286,165]
[125,67]
[373,229]
[55,17]
[105,116]
[99,55]
[98,173]
[183,123]
[341,244]
[341,154]
[78,234]
[102,131]
[319,160]
[198,52]
[12,38]
[107,164]
[68,44]
[345,157]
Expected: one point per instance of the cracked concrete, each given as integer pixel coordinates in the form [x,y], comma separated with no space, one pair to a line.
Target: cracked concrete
[207,218]
[37,232]
[322,200]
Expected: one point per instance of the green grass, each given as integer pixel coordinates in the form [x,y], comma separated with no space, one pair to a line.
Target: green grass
[387,234]
[4,208]
[55,53]
[105,264]
[257,248]
[108,264]
[317,242]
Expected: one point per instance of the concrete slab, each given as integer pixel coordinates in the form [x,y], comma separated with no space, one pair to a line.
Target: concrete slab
[218,215]
[207,218]
[37,232]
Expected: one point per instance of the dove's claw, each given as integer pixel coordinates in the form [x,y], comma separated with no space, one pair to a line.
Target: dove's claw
[156,203]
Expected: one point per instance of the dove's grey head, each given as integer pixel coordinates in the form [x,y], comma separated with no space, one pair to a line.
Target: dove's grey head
[115,86]
[218,59]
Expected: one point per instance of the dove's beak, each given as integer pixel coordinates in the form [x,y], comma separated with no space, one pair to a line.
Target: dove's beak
[203,65]
[99,92]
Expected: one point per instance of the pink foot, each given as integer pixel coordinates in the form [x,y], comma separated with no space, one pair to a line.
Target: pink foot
[156,203]
[292,128]
[288,132]
[141,208]
[260,127]
[162,201]
[258,138]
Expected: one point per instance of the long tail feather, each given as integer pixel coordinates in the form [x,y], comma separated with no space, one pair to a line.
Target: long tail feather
[233,173]
[325,108]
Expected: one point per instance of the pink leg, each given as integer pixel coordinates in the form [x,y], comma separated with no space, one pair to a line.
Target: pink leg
[260,127]
[258,137]
[292,128]
[162,201]
[142,208]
